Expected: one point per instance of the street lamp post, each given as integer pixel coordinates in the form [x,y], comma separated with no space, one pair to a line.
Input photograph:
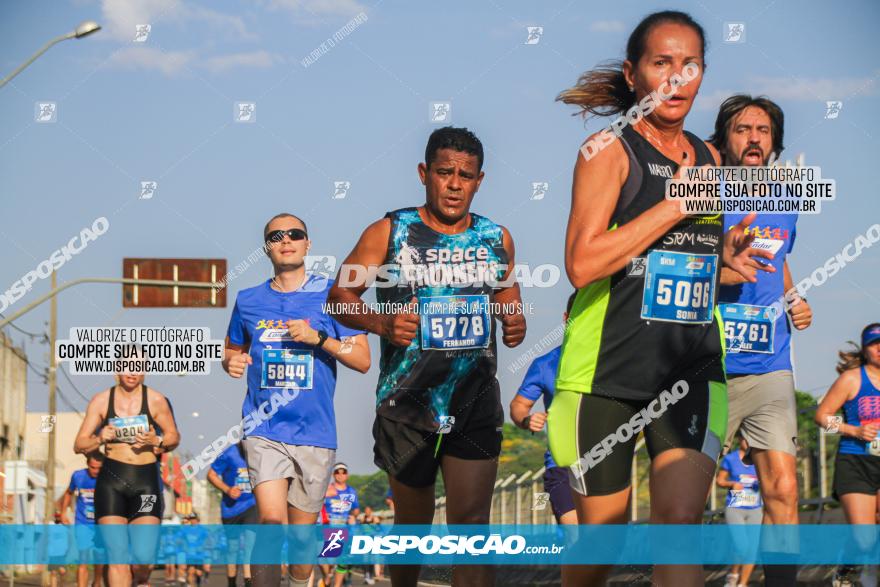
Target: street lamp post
[84,29]
[50,457]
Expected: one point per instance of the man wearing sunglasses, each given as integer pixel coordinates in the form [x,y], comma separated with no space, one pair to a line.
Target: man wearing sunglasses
[280,335]
[443,280]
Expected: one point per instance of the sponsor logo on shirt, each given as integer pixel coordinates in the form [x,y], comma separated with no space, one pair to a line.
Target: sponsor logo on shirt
[708,239]
[660,170]
[769,232]
[771,245]
[274,331]
[679,238]
[444,266]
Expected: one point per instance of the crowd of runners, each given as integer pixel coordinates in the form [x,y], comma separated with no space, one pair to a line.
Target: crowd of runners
[701,318]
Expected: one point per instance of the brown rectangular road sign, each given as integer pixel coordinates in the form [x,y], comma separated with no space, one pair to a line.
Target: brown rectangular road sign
[152,296]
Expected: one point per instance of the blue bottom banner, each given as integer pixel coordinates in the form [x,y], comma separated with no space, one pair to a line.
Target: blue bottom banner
[439,545]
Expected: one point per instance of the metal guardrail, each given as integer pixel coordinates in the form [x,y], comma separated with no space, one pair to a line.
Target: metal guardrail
[516,500]
[522,500]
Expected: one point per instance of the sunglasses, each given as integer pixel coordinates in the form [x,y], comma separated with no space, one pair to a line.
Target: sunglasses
[340,471]
[294,234]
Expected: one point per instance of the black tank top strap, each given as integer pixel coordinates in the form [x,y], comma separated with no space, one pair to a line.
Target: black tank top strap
[145,407]
[704,155]
[111,410]
[633,183]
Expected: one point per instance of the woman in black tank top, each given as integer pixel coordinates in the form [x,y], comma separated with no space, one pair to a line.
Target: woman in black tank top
[620,352]
[145,411]
[135,425]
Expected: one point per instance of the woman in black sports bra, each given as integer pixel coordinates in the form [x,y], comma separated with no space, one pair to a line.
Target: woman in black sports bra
[127,420]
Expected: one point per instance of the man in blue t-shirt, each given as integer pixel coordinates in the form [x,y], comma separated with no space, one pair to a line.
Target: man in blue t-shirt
[342,507]
[760,385]
[540,382]
[743,507]
[82,488]
[229,474]
[281,335]
[197,544]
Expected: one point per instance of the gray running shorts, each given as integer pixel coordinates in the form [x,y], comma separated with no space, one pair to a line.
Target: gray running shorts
[764,409]
[307,468]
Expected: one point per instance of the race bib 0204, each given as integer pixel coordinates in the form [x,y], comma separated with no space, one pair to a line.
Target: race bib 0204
[455,322]
[129,427]
[748,328]
[679,287]
[291,368]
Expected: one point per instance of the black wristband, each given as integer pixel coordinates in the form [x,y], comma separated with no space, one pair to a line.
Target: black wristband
[524,423]
[322,338]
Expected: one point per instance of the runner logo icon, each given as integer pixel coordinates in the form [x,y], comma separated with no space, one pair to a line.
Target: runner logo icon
[147,503]
[334,540]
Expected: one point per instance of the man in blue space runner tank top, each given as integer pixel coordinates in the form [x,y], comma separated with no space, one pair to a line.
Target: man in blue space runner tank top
[443,278]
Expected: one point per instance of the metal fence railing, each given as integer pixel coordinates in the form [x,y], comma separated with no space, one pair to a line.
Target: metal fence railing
[521,499]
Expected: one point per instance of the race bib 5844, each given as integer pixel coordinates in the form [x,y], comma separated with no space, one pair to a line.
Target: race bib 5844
[291,368]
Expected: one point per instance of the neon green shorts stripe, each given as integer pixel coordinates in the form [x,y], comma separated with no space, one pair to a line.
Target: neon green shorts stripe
[583,337]
[717,409]
[562,427]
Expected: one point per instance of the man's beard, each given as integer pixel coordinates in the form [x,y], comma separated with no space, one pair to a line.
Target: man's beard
[738,162]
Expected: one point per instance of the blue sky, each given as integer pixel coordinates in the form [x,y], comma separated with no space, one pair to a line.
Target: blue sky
[162,110]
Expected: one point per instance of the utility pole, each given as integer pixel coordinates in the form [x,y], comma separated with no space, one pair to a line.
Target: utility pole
[50,460]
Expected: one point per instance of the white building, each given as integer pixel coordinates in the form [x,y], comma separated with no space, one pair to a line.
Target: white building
[37,446]
[206,501]
[13,398]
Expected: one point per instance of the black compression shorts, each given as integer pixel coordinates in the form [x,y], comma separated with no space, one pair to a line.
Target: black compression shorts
[129,491]
[595,436]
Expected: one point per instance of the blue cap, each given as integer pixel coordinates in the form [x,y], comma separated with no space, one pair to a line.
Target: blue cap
[870,334]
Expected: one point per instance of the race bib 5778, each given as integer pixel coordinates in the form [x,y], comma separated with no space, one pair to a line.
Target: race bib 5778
[455,322]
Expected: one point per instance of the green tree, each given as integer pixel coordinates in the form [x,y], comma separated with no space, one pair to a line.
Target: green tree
[521,451]
[806,425]
[371,489]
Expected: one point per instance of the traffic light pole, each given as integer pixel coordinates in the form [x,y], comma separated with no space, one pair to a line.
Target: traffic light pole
[123,280]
